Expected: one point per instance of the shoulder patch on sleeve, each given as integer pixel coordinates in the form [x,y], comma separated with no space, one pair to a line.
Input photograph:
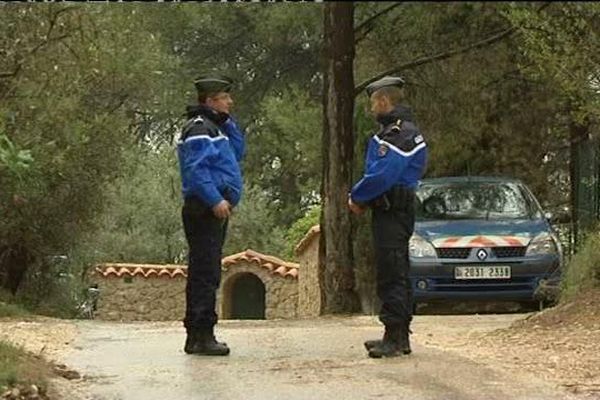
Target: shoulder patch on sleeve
[382,150]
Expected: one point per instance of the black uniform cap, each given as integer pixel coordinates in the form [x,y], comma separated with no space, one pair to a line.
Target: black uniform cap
[213,84]
[383,82]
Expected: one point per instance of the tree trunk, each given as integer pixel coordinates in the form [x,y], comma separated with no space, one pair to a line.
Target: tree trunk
[578,133]
[14,262]
[336,260]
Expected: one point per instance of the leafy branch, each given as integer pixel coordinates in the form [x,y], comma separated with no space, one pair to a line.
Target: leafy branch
[488,41]
[15,160]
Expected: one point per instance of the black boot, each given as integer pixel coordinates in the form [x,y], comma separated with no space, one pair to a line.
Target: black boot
[190,341]
[202,341]
[369,344]
[405,340]
[389,346]
[192,338]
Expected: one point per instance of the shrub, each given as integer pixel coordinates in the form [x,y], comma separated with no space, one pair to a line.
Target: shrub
[583,270]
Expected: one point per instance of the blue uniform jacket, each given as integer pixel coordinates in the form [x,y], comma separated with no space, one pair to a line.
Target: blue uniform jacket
[396,155]
[210,150]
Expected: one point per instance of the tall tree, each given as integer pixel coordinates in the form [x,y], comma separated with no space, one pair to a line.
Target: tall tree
[68,84]
[337,269]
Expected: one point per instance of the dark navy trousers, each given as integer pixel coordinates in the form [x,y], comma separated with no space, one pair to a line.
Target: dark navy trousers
[392,227]
[205,235]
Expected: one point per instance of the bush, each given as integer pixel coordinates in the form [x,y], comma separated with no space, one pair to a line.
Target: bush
[299,229]
[253,226]
[583,270]
[54,290]
[8,307]
[11,310]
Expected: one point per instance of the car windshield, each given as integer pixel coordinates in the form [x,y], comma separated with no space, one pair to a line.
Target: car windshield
[474,200]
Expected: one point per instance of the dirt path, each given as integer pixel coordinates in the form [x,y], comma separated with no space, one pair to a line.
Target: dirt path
[48,337]
[316,359]
[568,356]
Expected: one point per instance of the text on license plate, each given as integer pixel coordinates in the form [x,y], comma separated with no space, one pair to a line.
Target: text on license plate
[491,272]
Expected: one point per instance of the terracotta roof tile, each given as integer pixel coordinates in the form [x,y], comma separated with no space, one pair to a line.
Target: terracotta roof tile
[273,264]
[307,239]
[151,272]
[179,272]
[144,270]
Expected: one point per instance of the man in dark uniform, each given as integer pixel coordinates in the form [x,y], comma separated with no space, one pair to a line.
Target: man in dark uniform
[210,149]
[395,161]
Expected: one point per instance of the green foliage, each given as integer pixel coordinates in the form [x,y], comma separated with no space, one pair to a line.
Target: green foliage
[263,48]
[283,155]
[142,221]
[299,229]
[71,99]
[9,361]
[253,226]
[562,48]
[13,159]
[12,310]
[583,269]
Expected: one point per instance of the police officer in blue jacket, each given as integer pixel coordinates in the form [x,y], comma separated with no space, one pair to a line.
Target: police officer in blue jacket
[210,150]
[396,159]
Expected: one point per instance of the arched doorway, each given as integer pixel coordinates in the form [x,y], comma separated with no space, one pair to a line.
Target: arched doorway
[247,297]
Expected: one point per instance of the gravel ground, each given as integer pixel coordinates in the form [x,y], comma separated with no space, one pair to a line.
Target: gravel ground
[561,344]
[564,351]
[47,337]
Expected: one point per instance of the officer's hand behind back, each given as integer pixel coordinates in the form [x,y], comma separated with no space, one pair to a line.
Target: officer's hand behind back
[355,208]
[222,210]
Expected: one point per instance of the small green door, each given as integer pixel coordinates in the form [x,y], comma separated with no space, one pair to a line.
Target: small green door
[248,298]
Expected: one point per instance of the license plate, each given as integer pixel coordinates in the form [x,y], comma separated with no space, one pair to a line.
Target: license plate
[497,272]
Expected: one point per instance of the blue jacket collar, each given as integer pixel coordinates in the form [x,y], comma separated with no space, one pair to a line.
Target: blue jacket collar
[399,112]
[202,109]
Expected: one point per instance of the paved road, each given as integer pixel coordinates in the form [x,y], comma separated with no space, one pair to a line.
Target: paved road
[316,359]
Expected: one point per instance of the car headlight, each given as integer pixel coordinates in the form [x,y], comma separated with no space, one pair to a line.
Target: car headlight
[419,247]
[542,244]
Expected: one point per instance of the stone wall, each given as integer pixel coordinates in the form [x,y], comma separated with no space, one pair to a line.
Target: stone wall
[153,298]
[281,293]
[309,292]
[145,292]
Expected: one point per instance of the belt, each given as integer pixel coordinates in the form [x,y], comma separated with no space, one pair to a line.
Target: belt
[397,198]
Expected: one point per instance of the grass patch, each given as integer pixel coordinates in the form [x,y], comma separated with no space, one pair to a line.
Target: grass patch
[12,310]
[8,307]
[583,270]
[19,367]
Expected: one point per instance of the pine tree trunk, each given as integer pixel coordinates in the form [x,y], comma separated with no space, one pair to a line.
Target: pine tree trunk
[14,262]
[578,133]
[336,260]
